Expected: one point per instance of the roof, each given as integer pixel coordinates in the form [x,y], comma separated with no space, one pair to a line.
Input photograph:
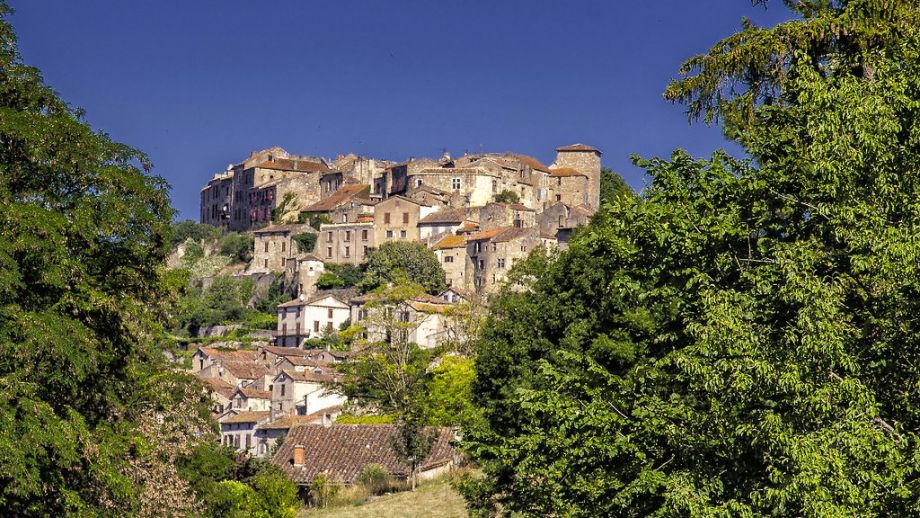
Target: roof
[285,164]
[343,451]
[565,171]
[531,161]
[245,370]
[220,386]
[468,226]
[311,377]
[463,293]
[487,234]
[445,216]
[343,295]
[245,417]
[450,241]
[293,227]
[283,351]
[255,394]
[578,147]
[513,233]
[289,421]
[428,307]
[338,198]
[365,218]
[304,361]
[236,355]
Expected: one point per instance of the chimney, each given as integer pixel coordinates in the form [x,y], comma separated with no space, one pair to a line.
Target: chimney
[298,455]
[327,420]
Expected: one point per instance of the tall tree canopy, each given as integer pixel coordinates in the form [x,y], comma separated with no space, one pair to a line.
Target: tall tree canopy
[89,419]
[743,340]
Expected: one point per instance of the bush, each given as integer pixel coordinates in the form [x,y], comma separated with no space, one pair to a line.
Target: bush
[323,489]
[397,259]
[189,229]
[193,252]
[305,242]
[258,320]
[277,494]
[507,196]
[376,479]
[237,246]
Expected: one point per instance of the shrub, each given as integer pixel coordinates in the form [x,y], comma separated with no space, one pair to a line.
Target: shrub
[323,489]
[305,242]
[376,479]
[507,196]
[237,246]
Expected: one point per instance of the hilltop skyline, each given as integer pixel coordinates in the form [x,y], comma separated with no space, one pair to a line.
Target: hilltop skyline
[198,87]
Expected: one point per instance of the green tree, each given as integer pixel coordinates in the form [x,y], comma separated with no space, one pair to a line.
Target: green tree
[393,259]
[188,229]
[739,341]
[237,245]
[305,242]
[339,276]
[92,419]
[448,397]
[507,196]
[613,187]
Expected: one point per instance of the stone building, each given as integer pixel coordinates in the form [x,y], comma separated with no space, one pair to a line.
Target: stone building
[274,245]
[451,253]
[361,170]
[441,222]
[396,219]
[348,201]
[586,160]
[346,243]
[514,215]
[395,178]
[309,318]
[493,252]
[251,204]
[559,219]
[569,186]
[216,199]
[303,271]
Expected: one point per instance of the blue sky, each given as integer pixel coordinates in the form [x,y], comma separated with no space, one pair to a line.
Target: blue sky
[197,84]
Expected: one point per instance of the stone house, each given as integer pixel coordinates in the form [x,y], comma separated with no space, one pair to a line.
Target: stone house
[216,199]
[204,357]
[361,169]
[250,399]
[303,271]
[267,434]
[237,429]
[473,186]
[309,318]
[396,219]
[341,452]
[444,221]
[451,253]
[342,198]
[569,186]
[346,243]
[493,252]
[274,245]
[421,319]
[559,219]
[514,215]
[587,161]
[250,205]
[304,392]
[221,394]
[394,179]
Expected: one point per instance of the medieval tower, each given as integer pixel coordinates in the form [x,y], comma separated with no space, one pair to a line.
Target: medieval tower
[587,160]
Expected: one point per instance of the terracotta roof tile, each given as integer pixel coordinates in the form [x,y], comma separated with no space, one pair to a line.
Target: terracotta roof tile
[450,241]
[245,417]
[338,198]
[487,234]
[445,216]
[309,376]
[235,355]
[566,171]
[245,370]
[255,394]
[343,451]
[220,386]
[293,227]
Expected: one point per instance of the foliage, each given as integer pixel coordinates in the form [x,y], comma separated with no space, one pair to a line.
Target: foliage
[226,300]
[507,196]
[92,419]
[277,494]
[279,292]
[314,220]
[234,499]
[613,187]
[279,211]
[376,479]
[339,276]
[364,419]
[188,229]
[741,341]
[237,245]
[306,241]
[259,320]
[393,259]
[448,398]
[193,252]
[322,489]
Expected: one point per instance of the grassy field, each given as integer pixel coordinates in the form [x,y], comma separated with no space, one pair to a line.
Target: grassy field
[434,499]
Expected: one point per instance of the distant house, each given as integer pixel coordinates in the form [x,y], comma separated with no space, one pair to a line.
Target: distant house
[252,400]
[206,356]
[305,392]
[451,253]
[237,429]
[221,394]
[274,245]
[341,452]
[445,221]
[268,433]
[309,318]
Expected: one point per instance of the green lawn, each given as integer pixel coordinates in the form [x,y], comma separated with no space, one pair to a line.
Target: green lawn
[434,499]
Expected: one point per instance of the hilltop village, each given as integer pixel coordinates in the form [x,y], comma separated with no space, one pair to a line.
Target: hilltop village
[478,214]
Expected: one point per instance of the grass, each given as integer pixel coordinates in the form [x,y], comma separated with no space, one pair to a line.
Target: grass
[436,499]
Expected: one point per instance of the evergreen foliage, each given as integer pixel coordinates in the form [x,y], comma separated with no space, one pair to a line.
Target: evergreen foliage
[507,196]
[402,259]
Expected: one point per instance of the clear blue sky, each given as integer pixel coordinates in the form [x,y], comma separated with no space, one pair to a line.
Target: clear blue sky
[198,84]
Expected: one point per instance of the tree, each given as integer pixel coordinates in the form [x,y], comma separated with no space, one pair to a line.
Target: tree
[613,187]
[188,229]
[238,246]
[448,397]
[393,259]
[737,342]
[339,276]
[305,242]
[507,196]
[92,419]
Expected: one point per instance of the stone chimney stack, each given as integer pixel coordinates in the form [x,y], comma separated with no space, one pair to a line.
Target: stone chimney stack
[298,455]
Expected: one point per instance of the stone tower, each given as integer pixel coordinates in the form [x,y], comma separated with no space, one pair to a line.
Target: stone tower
[584,159]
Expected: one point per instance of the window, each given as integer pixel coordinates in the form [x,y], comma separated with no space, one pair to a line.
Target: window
[328,252]
[248,440]
[494,247]
[402,234]
[329,237]
[283,246]
[329,313]
[364,249]
[456,183]
[418,182]
[266,246]
[328,327]
[364,235]
[501,263]
[558,197]
[284,329]
[386,218]
[282,390]
[347,251]
[298,328]
[389,234]
[265,263]
[494,186]
[405,218]
[448,258]
[348,235]
[482,264]
[316,326]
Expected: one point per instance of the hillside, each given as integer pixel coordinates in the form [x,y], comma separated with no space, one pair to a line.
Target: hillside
[432,500]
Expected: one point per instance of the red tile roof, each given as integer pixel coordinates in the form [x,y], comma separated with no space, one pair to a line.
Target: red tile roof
[245,417]
[289,421]
[565,171]
[450,241]
[219,386]
[343,451]
[338,198]
[487,234]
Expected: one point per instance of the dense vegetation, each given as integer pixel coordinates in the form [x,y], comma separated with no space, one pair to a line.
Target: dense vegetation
[742,341]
